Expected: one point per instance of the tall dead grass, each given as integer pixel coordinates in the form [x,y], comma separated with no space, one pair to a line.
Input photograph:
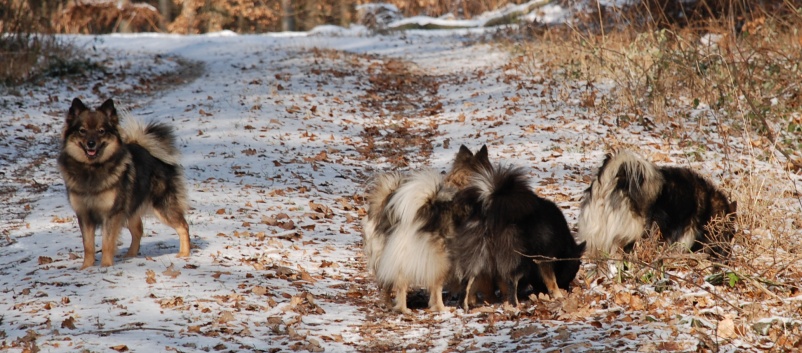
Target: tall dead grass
[743,72]
[20,45]
[726,79]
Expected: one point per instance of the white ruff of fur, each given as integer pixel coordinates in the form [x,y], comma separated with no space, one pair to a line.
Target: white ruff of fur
[373,242]
[133,131]
[607,220]
[410,256]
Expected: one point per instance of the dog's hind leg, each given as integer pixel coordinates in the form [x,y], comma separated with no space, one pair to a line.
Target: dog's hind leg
[549,279]
[136,229]
[88,232]
[111,231]
[436,297]
[387,294]
[485,285]
[514,291]
[401,299]
[469,293]
[175,219]
[509,289]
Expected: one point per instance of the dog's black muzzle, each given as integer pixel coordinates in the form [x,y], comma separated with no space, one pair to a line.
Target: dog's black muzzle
[91,149]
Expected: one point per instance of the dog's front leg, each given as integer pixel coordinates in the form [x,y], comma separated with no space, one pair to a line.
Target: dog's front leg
[88,233]
[111,230]
[550,280]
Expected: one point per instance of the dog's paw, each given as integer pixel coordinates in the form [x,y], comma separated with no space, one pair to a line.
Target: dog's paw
[403,310]
[511,308]
[437,309]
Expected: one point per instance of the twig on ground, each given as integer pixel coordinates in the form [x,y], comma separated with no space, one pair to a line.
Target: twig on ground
[671,276]
[109,332]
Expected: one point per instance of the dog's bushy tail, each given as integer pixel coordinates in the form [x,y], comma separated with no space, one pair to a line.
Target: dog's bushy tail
[615,207]
[489,238]
[419,190]
[158,138]
[505,196]
[376,224]
[508,203]
[408,253]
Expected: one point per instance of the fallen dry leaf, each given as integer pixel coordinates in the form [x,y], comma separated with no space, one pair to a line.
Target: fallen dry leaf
[150,277]
[259,290]
[68,323]
[225,316]
[171,272]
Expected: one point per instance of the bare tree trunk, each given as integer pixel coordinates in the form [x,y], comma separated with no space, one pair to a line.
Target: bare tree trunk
[189,14]
[344,9]
[287,17]
[124,25]
[207,11]
[165,9]
[312,15]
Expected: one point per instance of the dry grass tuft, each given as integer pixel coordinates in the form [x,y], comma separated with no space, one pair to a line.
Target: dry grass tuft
[723,82]
[25,43]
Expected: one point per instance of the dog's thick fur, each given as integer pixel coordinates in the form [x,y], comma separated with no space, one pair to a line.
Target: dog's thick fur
[410,220]
[629,194]
[114,174]
[510,234]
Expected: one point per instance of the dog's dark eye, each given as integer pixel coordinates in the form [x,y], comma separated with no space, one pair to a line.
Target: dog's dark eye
[101,132]
[82,131]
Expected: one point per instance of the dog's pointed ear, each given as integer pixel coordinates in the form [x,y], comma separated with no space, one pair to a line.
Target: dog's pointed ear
[108,108]
[464,151]
[464,155]
[76,108]
[482,156]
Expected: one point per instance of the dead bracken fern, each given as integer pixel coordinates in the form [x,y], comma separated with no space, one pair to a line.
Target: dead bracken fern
[104,17]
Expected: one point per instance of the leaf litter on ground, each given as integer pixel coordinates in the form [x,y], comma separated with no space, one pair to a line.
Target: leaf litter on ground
[277,157]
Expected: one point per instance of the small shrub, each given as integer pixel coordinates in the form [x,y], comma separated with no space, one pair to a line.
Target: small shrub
[28,48]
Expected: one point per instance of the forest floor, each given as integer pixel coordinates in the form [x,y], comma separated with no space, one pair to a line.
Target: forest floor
[280,135]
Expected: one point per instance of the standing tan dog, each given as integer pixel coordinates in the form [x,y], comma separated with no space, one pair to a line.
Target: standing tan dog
[114,174]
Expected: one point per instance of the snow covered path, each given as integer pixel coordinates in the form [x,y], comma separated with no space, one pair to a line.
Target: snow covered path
[279,134]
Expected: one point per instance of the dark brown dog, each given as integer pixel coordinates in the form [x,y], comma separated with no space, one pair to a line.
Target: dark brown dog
[116,174]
